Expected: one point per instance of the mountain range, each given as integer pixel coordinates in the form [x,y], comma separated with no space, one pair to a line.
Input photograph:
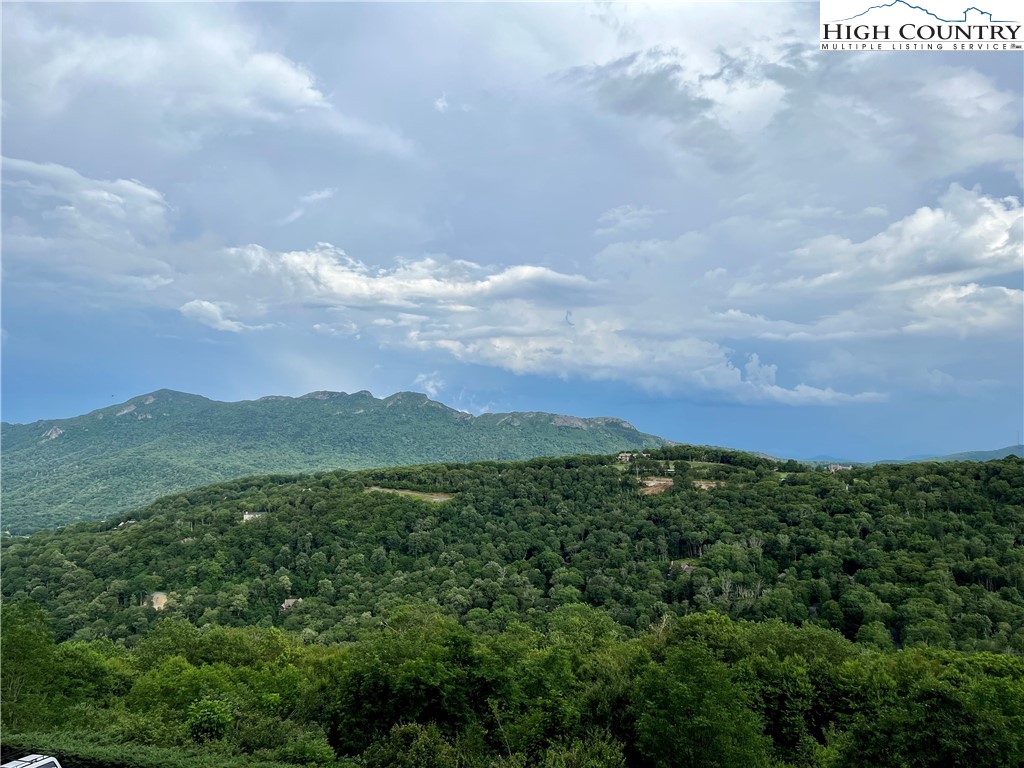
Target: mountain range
[120,457]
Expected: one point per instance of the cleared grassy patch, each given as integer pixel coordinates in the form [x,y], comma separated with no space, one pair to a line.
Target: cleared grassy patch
[434,497]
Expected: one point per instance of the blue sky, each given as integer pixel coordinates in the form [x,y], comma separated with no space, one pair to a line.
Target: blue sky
[683,215]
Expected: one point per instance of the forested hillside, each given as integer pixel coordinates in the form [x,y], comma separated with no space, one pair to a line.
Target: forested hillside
[693,607]
[889,554]
[118,458]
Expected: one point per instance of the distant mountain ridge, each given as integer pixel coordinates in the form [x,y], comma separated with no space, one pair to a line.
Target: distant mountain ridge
[116,458]
[999,453]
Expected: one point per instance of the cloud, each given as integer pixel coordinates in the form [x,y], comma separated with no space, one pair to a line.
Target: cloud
[187,74]
[442,105]
[305,201]
[653,313]
[913,124]
[213,314]
[625,218]
[511,318]
[654,85]
[606,350]
[938,381]
[58,222]
[967,310]
[934,268]
[731,109]
[757,373]
[781,225]
[318,195]
[345,328]
[327,273]
[967,236]
[431,383]
[120,207]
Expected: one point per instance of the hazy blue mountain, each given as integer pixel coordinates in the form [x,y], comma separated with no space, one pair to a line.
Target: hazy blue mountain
[1000,453]
[119,457]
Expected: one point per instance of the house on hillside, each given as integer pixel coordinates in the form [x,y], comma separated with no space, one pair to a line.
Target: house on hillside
[833,468]
[288,604]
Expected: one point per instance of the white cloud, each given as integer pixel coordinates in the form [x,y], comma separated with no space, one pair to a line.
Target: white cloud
[58,222]
[313,198]
[967,236]
[867,119]
[328,273]
[758,373]
[318,195]
[344,328]
[431,383]
[798,128]
[937,262]
[188,73]
[119,207]
[786,239]
[935,380]
[214,315]
[655,313]
[442,105]
[968,310]
[605,350]
[657,91]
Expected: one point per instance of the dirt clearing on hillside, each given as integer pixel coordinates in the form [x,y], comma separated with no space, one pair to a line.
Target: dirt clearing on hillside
[654,485]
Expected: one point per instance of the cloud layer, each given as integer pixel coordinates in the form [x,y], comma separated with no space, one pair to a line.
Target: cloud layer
[654,313]
[688,202]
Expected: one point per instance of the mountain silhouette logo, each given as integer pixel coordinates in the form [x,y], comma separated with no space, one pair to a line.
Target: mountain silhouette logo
[903,4]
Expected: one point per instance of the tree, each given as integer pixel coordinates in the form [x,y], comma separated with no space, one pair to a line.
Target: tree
[939,725]
[208,720]
[596,750]
[689,712]
[26,665]
[412,746]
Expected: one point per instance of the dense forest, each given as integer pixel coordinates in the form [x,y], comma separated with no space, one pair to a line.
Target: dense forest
[424,691]
[690,607]
[120,457]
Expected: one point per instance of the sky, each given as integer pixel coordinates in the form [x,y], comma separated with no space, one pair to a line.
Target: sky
[684,215]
